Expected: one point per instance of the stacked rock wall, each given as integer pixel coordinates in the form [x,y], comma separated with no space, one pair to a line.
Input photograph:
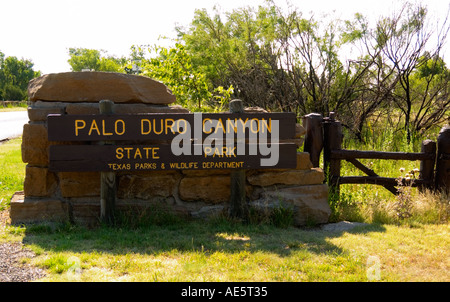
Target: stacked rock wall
[75,196]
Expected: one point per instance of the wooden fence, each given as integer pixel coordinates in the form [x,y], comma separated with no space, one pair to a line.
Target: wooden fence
[326,133]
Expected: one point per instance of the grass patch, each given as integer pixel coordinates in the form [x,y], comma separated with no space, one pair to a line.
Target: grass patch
[375,204]
[19,107]
[219,252]
[12,170]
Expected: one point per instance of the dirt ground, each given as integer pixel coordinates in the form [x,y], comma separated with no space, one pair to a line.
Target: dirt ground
[12,268]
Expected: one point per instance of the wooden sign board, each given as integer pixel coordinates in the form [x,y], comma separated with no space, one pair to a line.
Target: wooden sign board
[163,126]
[103,158]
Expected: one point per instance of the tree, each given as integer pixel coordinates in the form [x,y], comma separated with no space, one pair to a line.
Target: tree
[14,77]
[404,39]
[94,60]
[173,67]
[274,59]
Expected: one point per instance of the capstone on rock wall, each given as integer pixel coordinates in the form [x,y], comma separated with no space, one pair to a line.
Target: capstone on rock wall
[75,196]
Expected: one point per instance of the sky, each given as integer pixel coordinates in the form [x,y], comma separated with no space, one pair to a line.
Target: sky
[44,30]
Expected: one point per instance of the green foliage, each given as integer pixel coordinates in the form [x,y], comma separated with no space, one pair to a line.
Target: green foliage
[13,171]
[173,66]
[14,77]
[94,60]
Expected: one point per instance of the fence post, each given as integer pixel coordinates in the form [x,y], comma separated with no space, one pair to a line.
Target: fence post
[107,179]
[427,166]
[332,140]
[314,136]
[238,204]
[442,181]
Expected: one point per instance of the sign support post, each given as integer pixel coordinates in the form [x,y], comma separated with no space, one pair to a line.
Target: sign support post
[107,179]
[238,205]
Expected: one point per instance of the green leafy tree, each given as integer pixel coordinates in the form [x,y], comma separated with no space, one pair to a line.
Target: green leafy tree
[173,67]
[273,59]
[94,60]
[14,77]
[405,39]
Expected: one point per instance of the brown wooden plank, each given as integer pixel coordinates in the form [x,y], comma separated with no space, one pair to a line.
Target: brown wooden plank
[146,157]
[156,126]
[238,208]
[370,172]
[380,181]
[349,154]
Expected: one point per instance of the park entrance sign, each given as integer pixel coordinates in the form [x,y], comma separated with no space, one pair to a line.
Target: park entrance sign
[175,141]
[99,144]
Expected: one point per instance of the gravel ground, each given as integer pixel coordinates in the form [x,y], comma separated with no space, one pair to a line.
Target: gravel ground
[12,268]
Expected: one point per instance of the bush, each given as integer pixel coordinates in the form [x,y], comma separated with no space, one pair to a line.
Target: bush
[13,93]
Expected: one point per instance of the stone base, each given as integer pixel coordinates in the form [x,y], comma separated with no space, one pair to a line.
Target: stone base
[309,203]
[28,210]
[86,211]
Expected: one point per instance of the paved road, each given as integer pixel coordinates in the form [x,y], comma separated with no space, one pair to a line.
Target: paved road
[11,123]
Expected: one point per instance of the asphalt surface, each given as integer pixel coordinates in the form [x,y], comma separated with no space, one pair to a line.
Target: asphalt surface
[11,124]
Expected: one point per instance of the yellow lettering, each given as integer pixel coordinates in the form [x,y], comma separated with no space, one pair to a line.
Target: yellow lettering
[207,151]
[252,122]
[103,129]
[78,127]
[184,126]
[123,127]
[154,155]
[269,128]
[204,122]
[167,124]
[219,125]
[119,153]
[137,153]
[231,124]
[243,124]
[146,151]
[142,126]
[94,126]
[162,127]
[128,152]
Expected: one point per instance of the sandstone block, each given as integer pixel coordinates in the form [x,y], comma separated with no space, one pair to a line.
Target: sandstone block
[211,189]
[48,105]
[35,144]
[299,130]
[82,108]
[290,177]
[208,212]
[147,187]
[206,172]
[255,109]
[148,108]
[79,184]
[26,210]
[40,114]
[309,203]
[95,86]
[39,182]
[303,161]
[85,211]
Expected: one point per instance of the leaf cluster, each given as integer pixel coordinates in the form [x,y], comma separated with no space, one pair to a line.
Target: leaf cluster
[14,77]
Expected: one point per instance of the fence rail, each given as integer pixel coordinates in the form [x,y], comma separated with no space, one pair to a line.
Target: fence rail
[326,133]
[349,154]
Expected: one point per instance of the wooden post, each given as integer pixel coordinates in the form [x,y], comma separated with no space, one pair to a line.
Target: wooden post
[332,140]
[442,181]
[314,136]
[107,179]
[427,166]
[238,204]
